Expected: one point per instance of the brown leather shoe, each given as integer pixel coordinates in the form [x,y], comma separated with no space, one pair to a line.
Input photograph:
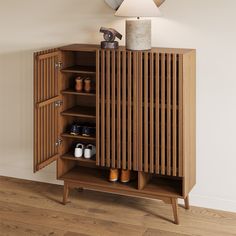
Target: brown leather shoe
[125,176]
[88,85]
[114,174]
[79,84]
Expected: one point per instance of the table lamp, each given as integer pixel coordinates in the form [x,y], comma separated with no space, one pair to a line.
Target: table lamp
[138,32]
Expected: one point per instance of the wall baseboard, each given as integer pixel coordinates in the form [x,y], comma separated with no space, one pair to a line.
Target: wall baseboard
[212,203]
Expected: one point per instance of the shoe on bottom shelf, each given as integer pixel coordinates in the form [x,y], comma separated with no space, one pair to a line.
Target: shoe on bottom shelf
[114,174]
[125,176]
[79,149]
[89,151]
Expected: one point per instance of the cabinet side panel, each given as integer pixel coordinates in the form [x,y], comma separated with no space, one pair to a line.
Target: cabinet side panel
[189,121]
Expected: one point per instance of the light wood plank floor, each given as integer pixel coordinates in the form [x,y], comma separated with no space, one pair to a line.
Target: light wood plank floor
[32,208]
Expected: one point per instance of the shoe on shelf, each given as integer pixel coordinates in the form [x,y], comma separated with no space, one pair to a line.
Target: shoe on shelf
[125,176]
[88,85]
[79,150]
[114,174]
[79,84]
[89,151]
[75,129]
[88,131]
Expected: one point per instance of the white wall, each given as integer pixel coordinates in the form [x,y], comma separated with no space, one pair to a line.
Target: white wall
[208,26]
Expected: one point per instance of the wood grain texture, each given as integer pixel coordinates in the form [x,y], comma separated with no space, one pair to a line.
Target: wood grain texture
[30,208]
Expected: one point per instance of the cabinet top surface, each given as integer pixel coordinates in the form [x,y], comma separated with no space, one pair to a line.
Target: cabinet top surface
[94,47]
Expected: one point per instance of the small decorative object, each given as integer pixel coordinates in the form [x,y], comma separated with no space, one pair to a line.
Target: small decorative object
[109,36]
[115,4]
[138,32]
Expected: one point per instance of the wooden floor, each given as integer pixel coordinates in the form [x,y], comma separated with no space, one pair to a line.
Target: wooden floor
[31,208]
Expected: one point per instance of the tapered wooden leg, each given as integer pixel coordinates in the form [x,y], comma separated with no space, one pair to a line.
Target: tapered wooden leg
[65,193]
[174,202]
[186,202]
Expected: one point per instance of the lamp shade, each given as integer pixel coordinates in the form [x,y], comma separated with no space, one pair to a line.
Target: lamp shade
[138,8]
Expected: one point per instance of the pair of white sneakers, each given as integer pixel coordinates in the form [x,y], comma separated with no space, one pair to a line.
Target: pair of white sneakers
[87,151]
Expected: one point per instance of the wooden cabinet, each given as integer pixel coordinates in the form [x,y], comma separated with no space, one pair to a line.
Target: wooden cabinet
[143,108]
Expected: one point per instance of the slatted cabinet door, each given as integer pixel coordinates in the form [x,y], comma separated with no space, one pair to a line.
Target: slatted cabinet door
[46,112]
[117,109]
[160,116]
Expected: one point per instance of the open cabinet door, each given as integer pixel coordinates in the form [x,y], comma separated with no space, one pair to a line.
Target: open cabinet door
[46,112]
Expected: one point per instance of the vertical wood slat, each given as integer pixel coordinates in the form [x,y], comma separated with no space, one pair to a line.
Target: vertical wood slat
[145,112]
[118,109]
[157,113]
[129,110]
[180,112]
[140,111]
[168,122]
[163,124]
[151,113]
[135,111]
[113,109]
[103,139]
[124,161]
[108,108]
[174,117]
[98,108]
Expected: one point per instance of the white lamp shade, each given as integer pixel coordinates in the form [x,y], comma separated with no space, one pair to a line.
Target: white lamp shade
[138,8]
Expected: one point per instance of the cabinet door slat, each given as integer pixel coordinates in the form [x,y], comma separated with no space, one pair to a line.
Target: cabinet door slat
[140,110]
[163,116]
[151,112]
[168,120]
[108,109]
[113,108]
[174,117]
[98,155]
[129,110]
[157,113]
[103,117]
[145,111]
[119,109]
[124,127]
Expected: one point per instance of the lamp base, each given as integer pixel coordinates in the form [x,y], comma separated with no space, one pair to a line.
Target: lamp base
[138,34]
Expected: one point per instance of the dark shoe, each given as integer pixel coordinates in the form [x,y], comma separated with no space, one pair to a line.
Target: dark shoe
[88,131]
[75,129]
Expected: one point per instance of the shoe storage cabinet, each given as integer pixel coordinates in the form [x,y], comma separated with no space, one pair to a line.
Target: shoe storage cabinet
[144,111]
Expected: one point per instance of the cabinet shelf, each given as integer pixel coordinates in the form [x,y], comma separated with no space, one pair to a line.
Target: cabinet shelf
[80,137]
[70,156]
[73,92]
[80,70]
[97,179]
[79,111]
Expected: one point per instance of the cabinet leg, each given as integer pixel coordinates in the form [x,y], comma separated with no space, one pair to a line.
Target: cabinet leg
[186,202]
[174,202]
[65,193]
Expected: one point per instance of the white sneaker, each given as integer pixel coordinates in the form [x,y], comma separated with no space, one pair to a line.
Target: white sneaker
[89,151]
[79,149]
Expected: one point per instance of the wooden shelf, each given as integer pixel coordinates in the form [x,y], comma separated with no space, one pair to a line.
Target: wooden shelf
[70,156]
[79,111]
[97,179]
[73,92]
[80,137]
[80,70]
